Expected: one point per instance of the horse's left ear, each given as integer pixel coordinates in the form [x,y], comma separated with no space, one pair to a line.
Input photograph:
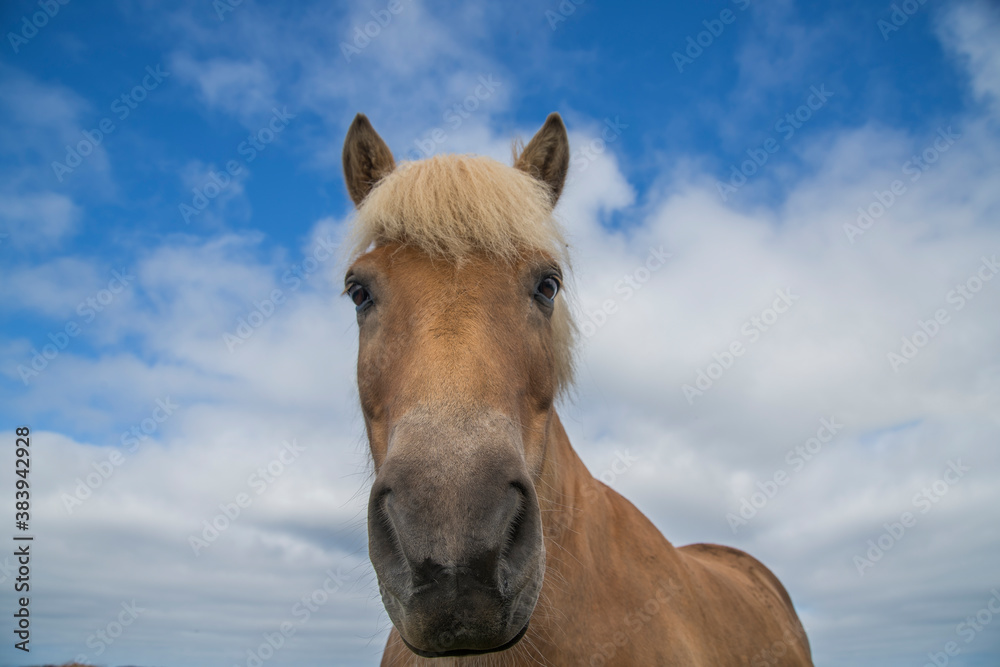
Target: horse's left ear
[546,157]
[367,159]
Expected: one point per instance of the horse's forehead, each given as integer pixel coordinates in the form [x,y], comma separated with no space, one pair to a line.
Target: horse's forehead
[412,269]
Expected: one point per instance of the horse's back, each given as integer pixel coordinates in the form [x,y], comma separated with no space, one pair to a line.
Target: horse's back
[751,603]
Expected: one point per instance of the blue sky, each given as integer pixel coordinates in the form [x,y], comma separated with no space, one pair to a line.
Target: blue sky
[239,112]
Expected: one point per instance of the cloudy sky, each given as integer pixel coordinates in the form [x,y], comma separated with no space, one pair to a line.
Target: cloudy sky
[812,375]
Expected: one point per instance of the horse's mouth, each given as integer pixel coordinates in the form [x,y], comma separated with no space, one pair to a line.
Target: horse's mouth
[465,651]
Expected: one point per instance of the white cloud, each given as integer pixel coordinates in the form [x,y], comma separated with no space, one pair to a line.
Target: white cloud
[244,89]
[405,73]
[35,105]
[54,288]
[213,195]
[44,123]
[969,30]
[40,219]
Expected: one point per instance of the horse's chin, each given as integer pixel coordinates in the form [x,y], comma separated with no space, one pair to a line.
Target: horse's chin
[456,653]
[444,636]
[428,638]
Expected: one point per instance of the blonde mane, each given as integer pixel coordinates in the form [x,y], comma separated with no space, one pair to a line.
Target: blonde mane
[450,206]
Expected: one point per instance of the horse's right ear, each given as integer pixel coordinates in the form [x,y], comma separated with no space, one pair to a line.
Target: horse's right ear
[367,159]
[546,157]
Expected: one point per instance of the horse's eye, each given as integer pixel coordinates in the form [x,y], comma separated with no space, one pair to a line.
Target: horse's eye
[547,289]
[359,295]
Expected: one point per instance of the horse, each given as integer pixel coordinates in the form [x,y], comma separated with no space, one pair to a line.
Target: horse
[491,542]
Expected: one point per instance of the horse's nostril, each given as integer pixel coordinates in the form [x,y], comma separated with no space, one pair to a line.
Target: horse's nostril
[515,530]
[522,537]
[384,519]
[383,536]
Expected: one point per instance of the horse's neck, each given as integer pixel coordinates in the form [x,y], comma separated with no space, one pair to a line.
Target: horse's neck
[563,485]
[580,515]
[575,506]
